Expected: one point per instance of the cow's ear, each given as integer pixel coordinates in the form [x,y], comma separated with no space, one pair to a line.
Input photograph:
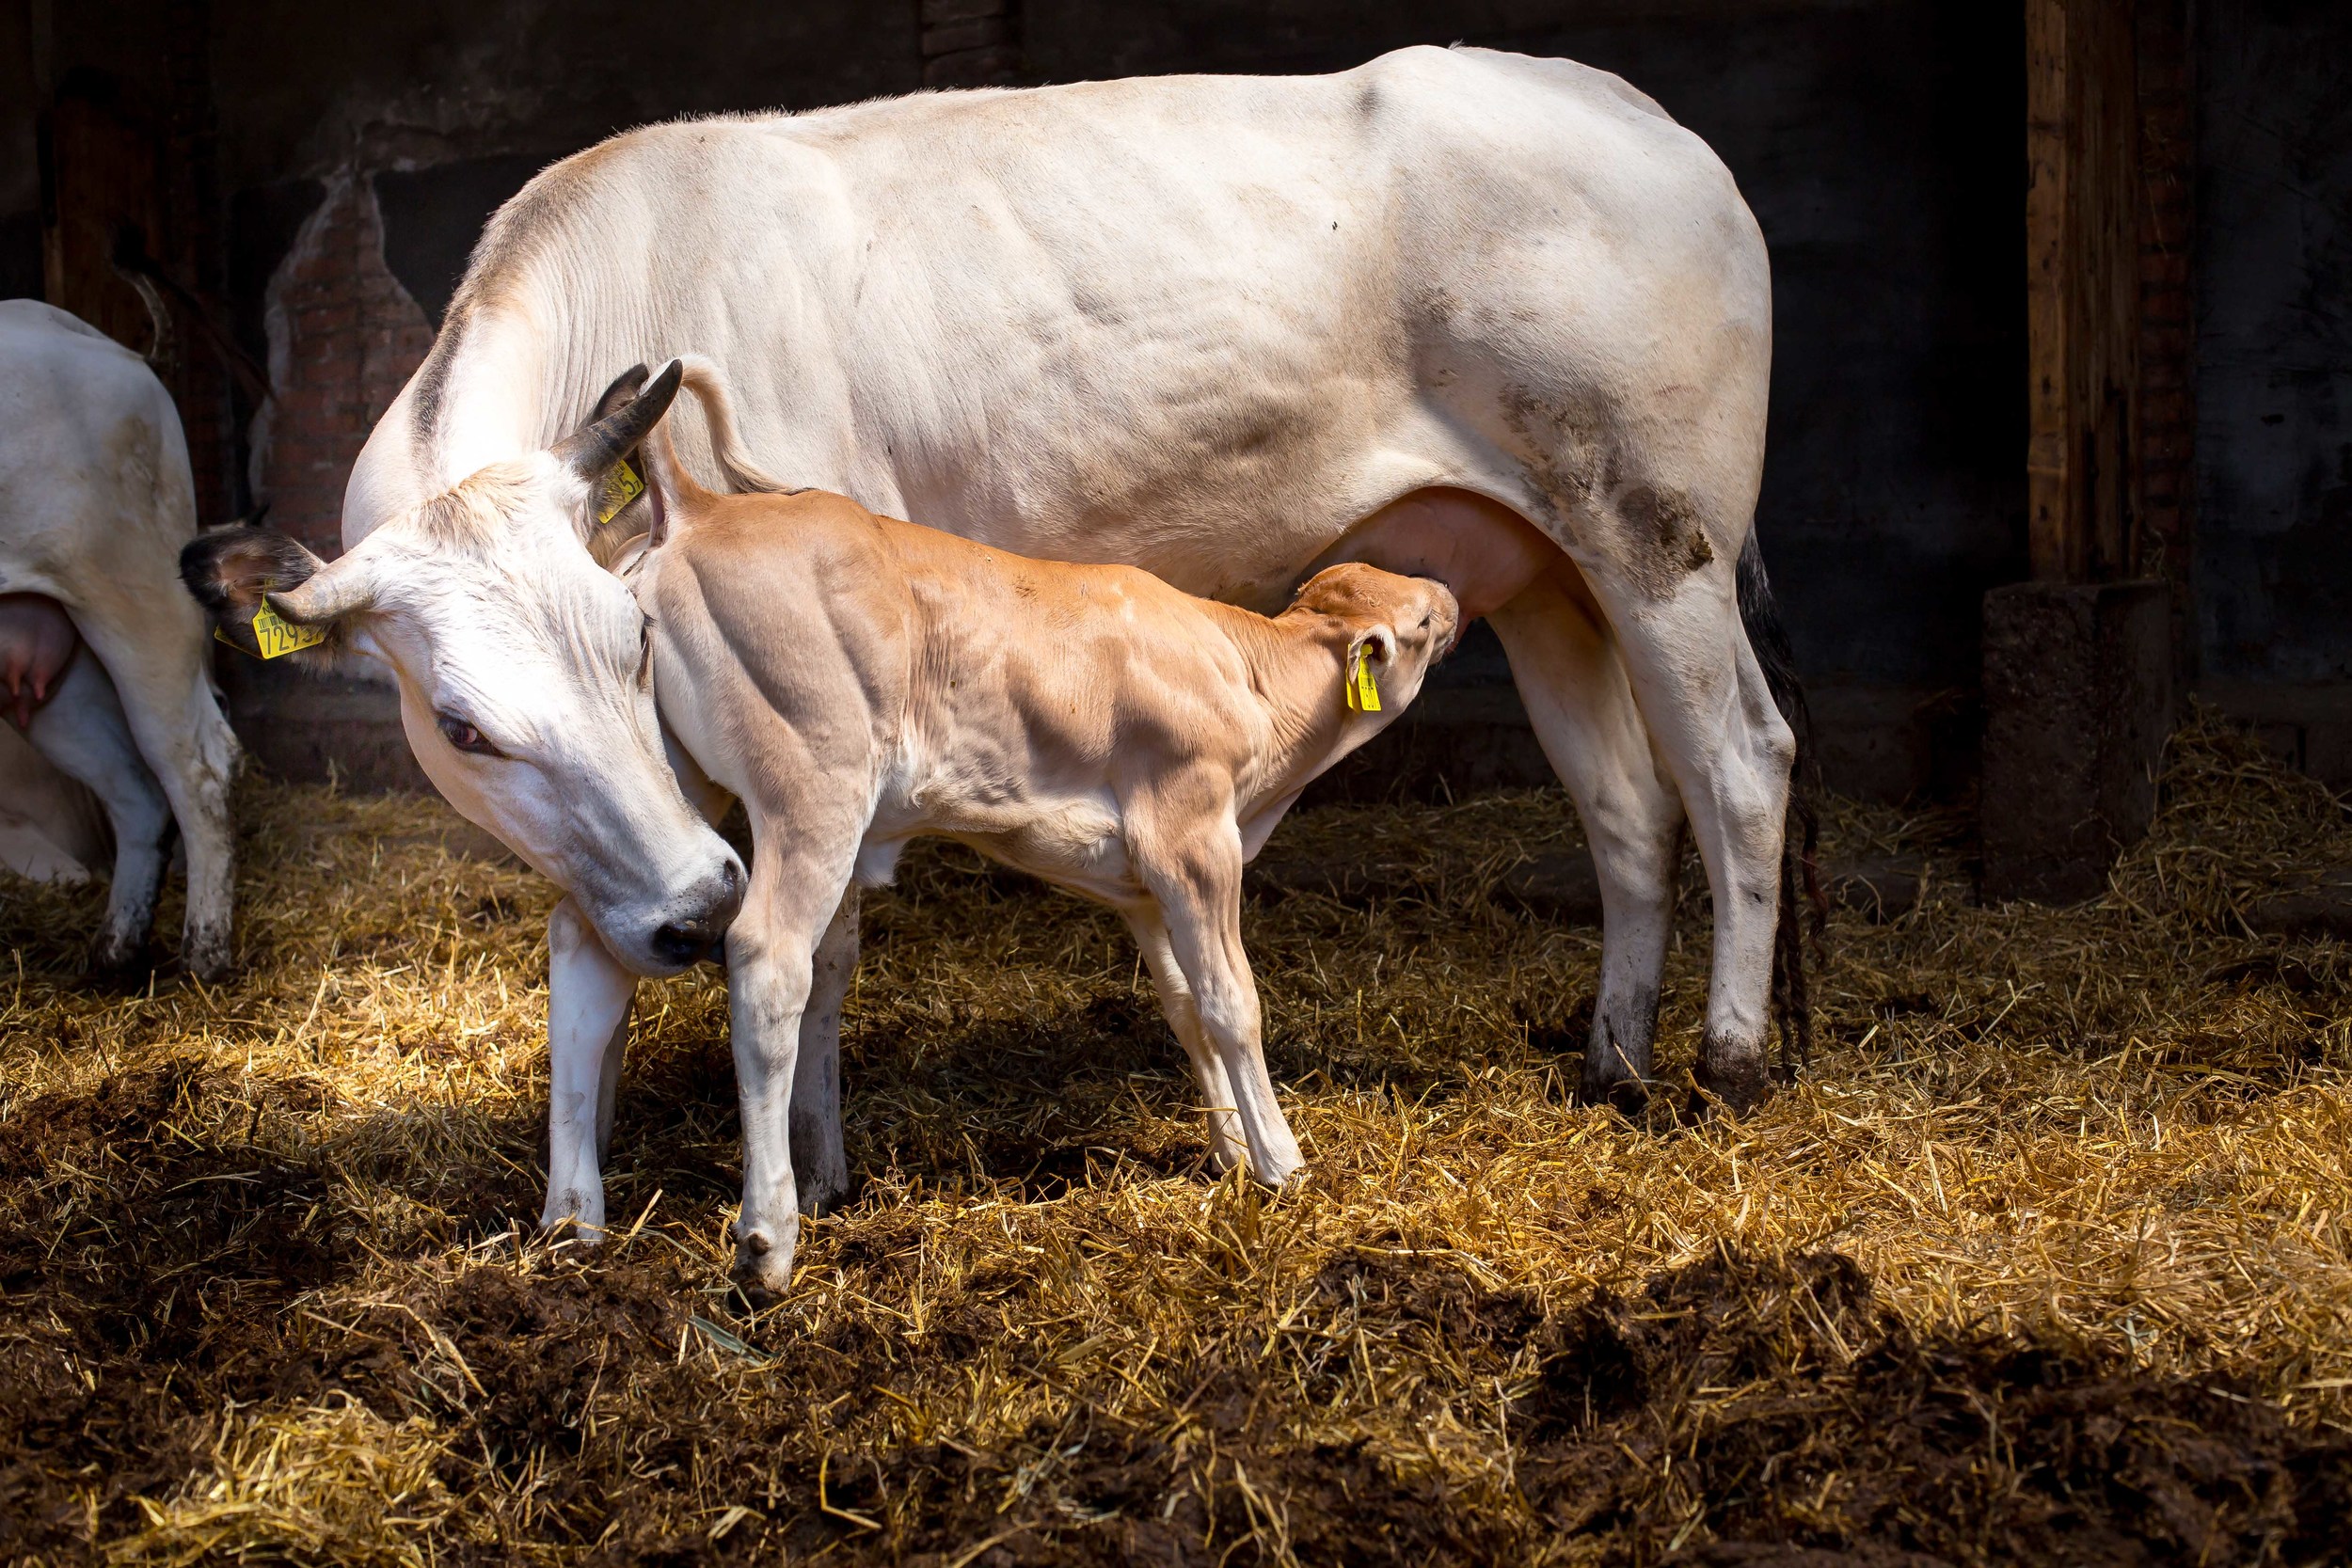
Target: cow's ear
[591,451]
[234,571]
[623,392]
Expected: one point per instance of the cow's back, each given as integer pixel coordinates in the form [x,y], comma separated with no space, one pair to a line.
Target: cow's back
[1200,323]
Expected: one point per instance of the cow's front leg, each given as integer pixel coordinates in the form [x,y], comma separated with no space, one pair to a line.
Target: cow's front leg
[818,1159]
[589,992]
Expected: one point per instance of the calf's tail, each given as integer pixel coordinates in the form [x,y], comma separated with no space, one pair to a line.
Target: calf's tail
[708,384]
[1799,872]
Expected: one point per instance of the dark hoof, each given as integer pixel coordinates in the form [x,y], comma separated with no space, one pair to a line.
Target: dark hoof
[1628,1096]
[1738,1086]
[757,1296]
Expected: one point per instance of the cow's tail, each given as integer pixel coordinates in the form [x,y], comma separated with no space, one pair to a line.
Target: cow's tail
[1802,905]
[705,380]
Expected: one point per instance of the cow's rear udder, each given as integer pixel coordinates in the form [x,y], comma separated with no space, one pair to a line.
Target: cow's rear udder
[37,642]
[1481,549]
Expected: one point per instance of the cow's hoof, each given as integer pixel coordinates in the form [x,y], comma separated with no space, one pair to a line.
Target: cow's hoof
[823,1194]
[763,1265]
[206,960]
[573,1216]
[1734,1079]
[1280,1179]
[1628,1096]
[117,953]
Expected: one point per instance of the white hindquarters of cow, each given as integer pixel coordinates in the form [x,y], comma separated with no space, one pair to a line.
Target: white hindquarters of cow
[100,501]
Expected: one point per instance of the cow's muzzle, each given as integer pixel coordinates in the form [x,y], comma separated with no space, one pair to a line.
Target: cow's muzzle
[695,934]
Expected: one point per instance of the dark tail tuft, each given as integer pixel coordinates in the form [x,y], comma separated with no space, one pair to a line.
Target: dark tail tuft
[1800,870]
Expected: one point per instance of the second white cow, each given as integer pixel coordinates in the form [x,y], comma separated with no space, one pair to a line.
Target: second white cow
[104,665]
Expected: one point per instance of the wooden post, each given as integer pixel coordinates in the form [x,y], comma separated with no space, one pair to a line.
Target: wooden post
[2082,289]
[2078,663]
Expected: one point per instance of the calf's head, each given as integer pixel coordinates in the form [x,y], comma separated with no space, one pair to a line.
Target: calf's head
[1398,626]
[525,683]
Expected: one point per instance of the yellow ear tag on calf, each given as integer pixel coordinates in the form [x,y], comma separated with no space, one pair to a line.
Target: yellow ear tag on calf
[1362,695]
[621,487]
[274,635]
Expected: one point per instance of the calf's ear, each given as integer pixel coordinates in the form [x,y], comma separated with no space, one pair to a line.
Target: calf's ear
[234,571]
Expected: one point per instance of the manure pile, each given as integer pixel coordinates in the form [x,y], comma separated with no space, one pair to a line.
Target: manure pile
[2048,1257]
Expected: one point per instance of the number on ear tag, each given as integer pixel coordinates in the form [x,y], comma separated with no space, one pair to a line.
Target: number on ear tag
[275,636]
[1363,696]
[621,487]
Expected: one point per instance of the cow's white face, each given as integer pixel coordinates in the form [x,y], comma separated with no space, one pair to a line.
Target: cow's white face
[526,691]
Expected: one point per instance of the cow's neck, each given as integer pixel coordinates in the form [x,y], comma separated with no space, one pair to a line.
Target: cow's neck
[493,389]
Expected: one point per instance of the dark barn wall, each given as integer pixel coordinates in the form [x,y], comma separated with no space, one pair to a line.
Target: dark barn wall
[19,169]
[2274,388]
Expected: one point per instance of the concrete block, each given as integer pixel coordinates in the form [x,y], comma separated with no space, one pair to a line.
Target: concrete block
[2078,701]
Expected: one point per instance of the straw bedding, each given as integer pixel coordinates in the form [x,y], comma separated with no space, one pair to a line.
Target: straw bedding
[2048,1257]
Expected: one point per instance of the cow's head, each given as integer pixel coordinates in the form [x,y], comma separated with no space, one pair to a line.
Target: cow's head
[524,678]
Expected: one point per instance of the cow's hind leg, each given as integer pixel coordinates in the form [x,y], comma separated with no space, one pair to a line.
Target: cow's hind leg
[83,732]
[1714,722]
[1579,699]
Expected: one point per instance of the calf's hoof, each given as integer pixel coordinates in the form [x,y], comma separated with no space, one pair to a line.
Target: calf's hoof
[763,1263]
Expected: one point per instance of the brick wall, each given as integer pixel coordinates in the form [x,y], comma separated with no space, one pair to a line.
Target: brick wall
[343,339]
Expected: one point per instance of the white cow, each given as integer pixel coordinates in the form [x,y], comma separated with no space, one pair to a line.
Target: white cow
[1489,319]
[105,666]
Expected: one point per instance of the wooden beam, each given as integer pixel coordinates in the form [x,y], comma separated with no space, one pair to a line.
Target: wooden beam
[2082,288]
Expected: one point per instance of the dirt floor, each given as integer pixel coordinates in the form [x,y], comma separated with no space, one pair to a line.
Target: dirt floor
[2047,1258]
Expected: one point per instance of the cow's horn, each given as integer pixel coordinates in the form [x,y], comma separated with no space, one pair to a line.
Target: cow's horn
[332,592]
[591,451]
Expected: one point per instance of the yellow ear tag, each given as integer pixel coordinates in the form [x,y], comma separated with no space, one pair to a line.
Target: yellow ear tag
[275,636]
[1363,696]
[621,487]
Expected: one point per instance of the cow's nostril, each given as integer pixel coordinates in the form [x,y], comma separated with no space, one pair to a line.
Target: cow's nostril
[685,941]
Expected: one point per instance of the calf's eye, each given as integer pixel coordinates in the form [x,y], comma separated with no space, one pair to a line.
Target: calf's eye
[464,736]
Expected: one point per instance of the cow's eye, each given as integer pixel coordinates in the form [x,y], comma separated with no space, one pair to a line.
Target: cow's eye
[464,736]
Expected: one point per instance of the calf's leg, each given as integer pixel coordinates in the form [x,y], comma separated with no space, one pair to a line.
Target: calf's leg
[84,734]
[819,1162]
[796,894]
[1227,1148]
[1189,848]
